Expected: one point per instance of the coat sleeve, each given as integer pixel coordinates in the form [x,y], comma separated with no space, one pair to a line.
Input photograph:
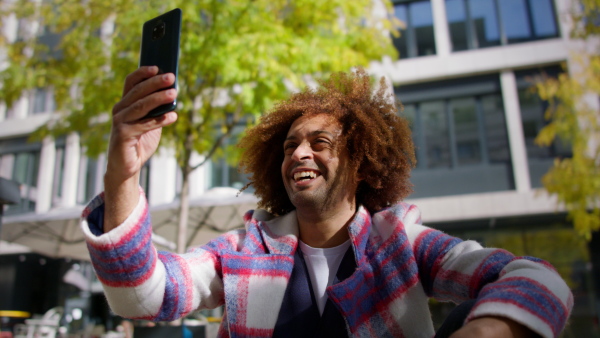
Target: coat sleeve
[525,289]
[142,283]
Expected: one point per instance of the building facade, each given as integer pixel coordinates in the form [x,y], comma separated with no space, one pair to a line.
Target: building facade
[464,78]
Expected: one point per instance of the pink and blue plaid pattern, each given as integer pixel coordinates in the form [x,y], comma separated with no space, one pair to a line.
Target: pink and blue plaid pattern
[400,263]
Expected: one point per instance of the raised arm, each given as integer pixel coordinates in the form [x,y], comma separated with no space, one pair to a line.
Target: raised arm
[133,140]
[140,282]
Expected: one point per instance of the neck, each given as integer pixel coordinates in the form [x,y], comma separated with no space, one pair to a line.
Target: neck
[325,229]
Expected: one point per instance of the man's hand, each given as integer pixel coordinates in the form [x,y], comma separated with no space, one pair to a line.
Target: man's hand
[493,327]
[133,139]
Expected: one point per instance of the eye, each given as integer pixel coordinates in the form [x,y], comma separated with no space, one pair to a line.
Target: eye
[321,143]
[289,147]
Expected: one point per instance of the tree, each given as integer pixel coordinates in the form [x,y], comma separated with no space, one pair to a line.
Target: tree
[237,58]
[574,118]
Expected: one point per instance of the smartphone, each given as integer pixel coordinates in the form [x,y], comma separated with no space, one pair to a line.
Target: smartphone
[160,47]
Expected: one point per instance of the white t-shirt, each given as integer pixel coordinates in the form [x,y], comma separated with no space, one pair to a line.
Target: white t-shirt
[322,265]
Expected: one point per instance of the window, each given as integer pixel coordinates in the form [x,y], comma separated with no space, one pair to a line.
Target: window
[484,23]
[90,181]
[540,159]
[435,129]
[460,136]
[19,161]
[466,124]
[145,178]
[88,186]
[25,171]
[42,101]
[59,172]
[24,30]
[460,131]
[417,37]
[224,174]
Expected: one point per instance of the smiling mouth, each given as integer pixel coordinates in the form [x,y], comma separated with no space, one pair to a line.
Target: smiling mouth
[302,176]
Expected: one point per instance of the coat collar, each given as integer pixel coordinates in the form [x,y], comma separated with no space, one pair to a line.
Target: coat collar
[281,234]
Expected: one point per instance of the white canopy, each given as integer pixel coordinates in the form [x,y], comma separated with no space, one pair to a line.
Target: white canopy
[57,233]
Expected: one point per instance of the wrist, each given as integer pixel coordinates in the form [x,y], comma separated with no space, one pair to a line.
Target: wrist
[493,326]
[114,183]
[120,199]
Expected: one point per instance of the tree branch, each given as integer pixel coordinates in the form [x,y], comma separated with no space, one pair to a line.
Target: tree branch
[228,129]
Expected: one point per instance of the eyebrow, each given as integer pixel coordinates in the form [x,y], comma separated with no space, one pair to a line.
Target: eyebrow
[312,133]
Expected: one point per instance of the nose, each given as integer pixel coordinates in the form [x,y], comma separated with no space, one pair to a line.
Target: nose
[302,152]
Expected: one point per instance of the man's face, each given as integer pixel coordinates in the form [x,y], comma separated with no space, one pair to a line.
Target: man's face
[315,166]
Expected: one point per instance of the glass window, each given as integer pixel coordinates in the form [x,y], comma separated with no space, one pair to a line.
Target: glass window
[515,20]
[435,129]
[224,174]
[145,178]
[542,13]
[25,171]
[460,136]
[410,113]
[540,159]
[417,37]
[532,117]
[422,21]
[400,43]
[457,21]
[6,165]
[89,178]
[20,162]
[466,129]
[39,101]
[57,182]
[217,176]
[485,23]
[43,101]
[21,169]
[495,129]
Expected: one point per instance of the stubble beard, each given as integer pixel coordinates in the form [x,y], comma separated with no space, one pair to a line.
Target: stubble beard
[308,200]
[319,200]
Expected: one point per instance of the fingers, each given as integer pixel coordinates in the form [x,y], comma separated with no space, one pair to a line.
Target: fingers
[140,108]
[149,86]
[138,76]
[123,133]
[155,122]
[140,89]
[135,129]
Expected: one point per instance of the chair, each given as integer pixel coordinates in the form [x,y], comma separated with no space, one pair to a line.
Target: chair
[44,327]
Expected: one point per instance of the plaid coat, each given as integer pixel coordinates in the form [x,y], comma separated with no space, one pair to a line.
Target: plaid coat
[400,264]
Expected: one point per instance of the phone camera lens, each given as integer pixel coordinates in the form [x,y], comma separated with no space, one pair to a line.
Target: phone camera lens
[158,31]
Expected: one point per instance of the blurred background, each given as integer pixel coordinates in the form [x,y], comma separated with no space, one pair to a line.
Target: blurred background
[502,96]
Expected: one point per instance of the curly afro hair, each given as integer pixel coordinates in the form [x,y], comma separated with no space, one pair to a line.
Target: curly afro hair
[377,139]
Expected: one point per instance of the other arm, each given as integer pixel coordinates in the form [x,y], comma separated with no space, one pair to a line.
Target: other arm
[508,289]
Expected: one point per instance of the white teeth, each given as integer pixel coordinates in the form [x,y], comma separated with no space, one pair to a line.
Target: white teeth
[304,175]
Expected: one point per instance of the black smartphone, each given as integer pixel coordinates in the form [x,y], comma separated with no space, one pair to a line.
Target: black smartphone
[160,47]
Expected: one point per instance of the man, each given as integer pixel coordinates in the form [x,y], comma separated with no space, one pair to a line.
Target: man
[333,253]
